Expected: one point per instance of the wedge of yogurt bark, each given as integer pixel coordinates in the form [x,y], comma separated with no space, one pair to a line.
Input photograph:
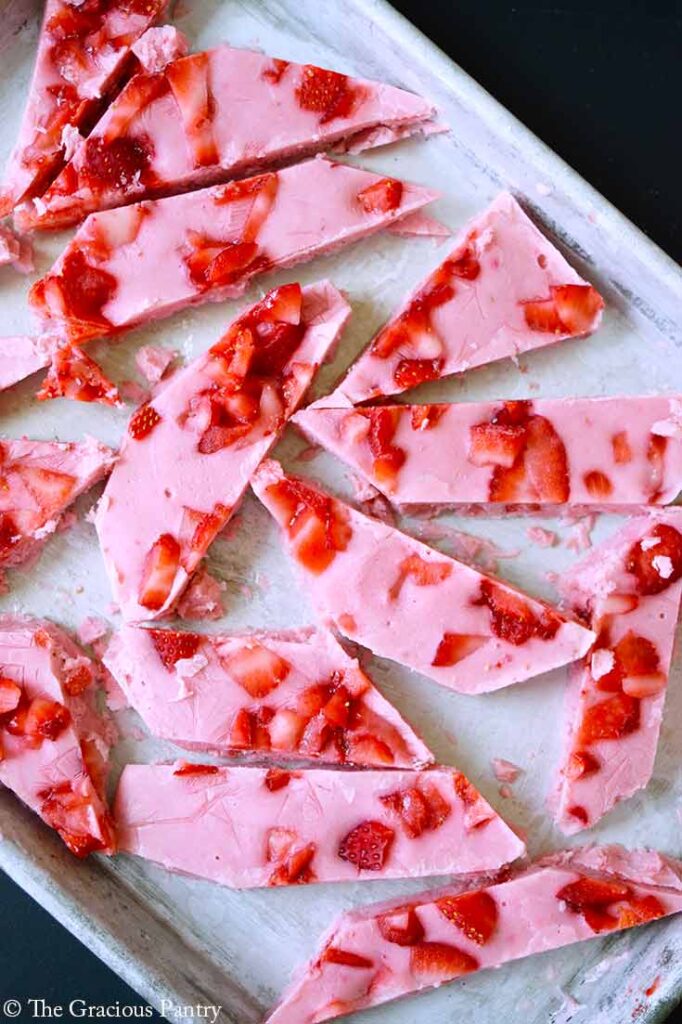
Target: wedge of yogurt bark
[295,694]
[53,744]
[503,290]
[40,479]
[188,454]
[384,951]
[216,115]
[518,454]
[21,356]
[84,51]
[405,601]
[262,827]
[211,243]
[628,590]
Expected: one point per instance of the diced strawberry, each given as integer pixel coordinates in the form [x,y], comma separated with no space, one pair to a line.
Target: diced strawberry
[160,569]
[172,646]
[71,815]
[423,573]
[610,719]
[334,955]
[189,81]
[313,698]
[46,719]
[242,730]
[140,91]
[76,679]
[495,444]
[275,70]
[420,810]
[655,454]
[636,655]
[401,926]
[51,489]
[257,669]
[659,566]
[189,768]
[367,845]
[513,619]
[388,457]
[467,793]
[381,197]
[81,289]
[639,910]
[116,163]
[439,961]
[73,374]
[454,647]
[277,778]
[622,452]
[541,470]
[285,729]
[593,892]
[317,736]
[143,421]
[474,913]
[598,484]
[580,814]
[409,373]
[464,264]
[326,93]
[295,869]
[543,316]
[10,695]
[315,522]
[366,749]
[338,708]
[10,533]
[424,417]
[581,763]
[205,526]
[578,306]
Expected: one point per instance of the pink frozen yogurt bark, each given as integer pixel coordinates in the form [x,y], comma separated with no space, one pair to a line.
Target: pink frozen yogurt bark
[83,54]
[216,115]
[40,479]
[628,589]
[255,827]
[210,244]
[22,356]
[515,454]
[53,744]
[502,291]
[295,694]
[188,454]
[405,601]
[384,951]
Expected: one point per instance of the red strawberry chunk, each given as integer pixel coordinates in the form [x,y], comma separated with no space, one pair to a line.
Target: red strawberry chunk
[658,567]
[75,375]
[367,845]
[80,289]
[420,810]
[464,264]
[581,763]
[474,913]
[189,80]
[593,892]
[46,719]
[338,708]
[610,719]
[295,869]
[189,768]
[257,669]
[388,457]
[365,749]
[543,316]
[622,452]
[77,679]
[172,647]
[423,573]
[277,778]
[424,417]
[334,955]
[496,444]
[326,93]
[409,373]
[143,421]
[381,197]
[72,815]
[159,571]
[439,961]
[275,70]
[513,619]
[51,489]
[578,306]
[639,910]
[10,695]
[315,522]
[598,484]
[401,926]
[454,647]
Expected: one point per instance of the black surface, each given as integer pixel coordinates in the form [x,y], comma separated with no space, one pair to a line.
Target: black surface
[602,89]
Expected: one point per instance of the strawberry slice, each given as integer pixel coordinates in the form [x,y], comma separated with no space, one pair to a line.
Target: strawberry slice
[640,910]
[315,522]
[581,763]
[496,444]
[401,926]
[474,913]
[51,489]
[593,892]
[160,568]
[540,472]
[189,768]
[80,287]
[513,619]
[334,955]
[46,719]
[73,374]
[367,845]
[10,695]
[258,670]
[454,647]
[326,93]
[366,749]
[189,81]
[296,869]
[143,421]
[622,452]
[172,647]
[598,484]
[424,417]
[420,810]
[409,373]
[277,778]
[609,720]
[421,572]
[439,961]
[71,815]
[285,729]
[381,197]
[656,566]
[388,457]
[572,309]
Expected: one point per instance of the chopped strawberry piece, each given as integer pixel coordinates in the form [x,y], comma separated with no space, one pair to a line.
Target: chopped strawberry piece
[172,647]
[593,892]
[285,729]
[10,695]
[315,522]
[51,489]
[464,789]
[474,913]
[242,730]
[73,374]
[388,457]
[513,619]
[440,961]
[609,720]
[46,719]
[464,264]
[401,926]
[213,263]
[189,768]
[117,163]
[572,309]
[77,679]
[420,810]
[381,197]
[622,452]
[326,93]
[80,288]
[578,812]
[409,373]
[258,670]
[296,869]
[277,778]
[421,572]
[655,454]
[424,417]
[496,444]
[275,70]
[367,845]
[334,955]
[339,707]
[143,421]
[206,526]
[366,749]
[581,763]
[189,81]
[659,566]
[543,316]
[540,470]
[598,484]
[140,91]
[10,533]
[636,655]
[71,815]
[159,571]
[454,647]
[639,910]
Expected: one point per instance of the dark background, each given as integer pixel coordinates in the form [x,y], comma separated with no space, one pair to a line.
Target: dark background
[601,83]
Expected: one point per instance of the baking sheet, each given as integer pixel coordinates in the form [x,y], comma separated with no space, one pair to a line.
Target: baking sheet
[189,941]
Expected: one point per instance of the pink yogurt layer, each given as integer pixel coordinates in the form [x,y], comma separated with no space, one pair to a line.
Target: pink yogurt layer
[22,356]
[15,251]
[503,290]
[211,116]
[83,53]
[53,745]
[211,243]
[255,827]
[629,591]
[40,480]
[188,455]
[385,951]
[295,694]
[512,453]
[407,602]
